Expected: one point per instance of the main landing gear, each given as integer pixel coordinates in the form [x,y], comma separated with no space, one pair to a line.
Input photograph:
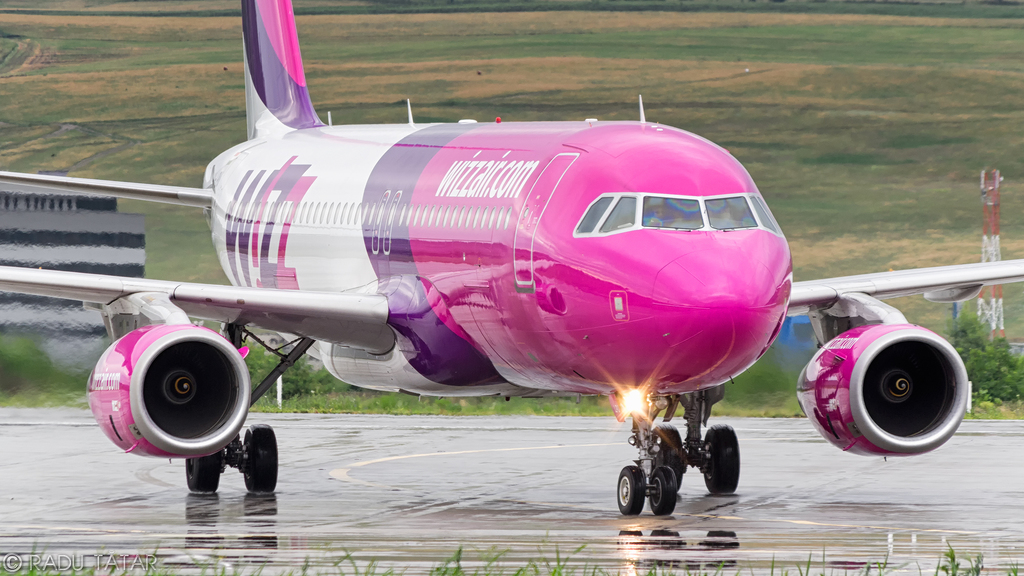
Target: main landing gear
[665,455]
[256,456]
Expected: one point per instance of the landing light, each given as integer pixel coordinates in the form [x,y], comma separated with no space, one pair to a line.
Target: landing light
[634,402]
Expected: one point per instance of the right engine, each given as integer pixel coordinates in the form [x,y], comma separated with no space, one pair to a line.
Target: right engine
[170,391]
[885,390]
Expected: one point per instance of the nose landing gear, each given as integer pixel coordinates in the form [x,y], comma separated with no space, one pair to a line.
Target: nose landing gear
[665,455]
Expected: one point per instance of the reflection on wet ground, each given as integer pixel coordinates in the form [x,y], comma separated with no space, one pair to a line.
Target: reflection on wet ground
[203,513]
[667,549]
[410,491]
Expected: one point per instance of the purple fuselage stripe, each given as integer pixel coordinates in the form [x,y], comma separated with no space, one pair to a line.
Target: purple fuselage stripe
[400,169]
[429,345]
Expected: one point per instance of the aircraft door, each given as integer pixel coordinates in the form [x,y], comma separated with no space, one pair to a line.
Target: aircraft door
[376,221]
[390,221]
[529,218]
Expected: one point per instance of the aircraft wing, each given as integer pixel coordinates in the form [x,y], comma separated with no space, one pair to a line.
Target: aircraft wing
[939,284]
[45,184]
[349,319]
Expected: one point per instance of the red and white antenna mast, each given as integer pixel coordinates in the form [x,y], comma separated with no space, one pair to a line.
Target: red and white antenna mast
[991,312]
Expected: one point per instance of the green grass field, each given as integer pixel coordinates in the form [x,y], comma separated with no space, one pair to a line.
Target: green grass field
[864,125]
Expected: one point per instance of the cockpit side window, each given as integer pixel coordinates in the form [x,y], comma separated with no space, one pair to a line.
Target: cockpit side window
[622,216]
[593,216]
[730,213]
[675,213]
[767,220]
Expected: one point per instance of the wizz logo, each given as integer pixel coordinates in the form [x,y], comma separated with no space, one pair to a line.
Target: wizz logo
[258,222]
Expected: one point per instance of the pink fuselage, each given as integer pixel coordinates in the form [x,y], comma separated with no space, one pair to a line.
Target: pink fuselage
[419,213]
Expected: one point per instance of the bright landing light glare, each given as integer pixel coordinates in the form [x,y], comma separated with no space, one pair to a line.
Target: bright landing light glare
[634,403]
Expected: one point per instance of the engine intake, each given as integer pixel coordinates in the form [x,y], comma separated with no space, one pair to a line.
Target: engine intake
[170,390]
[885,389]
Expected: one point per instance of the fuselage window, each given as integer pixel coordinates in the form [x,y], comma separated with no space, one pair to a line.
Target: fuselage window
[767,220]
[317,214]
[401,216]
[508,218]
[330,214]
[730,213]
[302,212]
[417,217]
[462,216]
[622,216]
[675,213]
[593,216]
[447,215]
[433,212]
[476,217]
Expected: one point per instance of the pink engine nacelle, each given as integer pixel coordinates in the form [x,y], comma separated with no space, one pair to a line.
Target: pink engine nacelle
[885,390]
[170,391]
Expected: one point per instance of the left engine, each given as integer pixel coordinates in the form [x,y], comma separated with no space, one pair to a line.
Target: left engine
[173,390]
[885,390]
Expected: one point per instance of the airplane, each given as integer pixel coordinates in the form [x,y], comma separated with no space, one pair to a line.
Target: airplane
[626,259]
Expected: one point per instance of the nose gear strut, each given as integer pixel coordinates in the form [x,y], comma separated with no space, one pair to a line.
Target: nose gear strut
[664,456]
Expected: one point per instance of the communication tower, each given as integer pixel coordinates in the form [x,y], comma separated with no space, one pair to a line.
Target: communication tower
[991,312]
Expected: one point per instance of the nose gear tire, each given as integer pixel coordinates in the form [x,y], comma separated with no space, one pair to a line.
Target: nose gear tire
[722,472]
[663,490]
[632,491]
[671,451]
[261,459]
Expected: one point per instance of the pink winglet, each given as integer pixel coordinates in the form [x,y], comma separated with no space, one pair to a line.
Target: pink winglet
[244,351]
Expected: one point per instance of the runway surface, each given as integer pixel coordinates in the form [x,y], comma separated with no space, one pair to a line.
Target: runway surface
[408,491]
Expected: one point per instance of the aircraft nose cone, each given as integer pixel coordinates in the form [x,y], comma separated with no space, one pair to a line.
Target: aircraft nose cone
[717,311]
[716,280]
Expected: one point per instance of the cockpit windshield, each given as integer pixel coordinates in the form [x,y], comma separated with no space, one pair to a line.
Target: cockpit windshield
[677,213]
[623,216]
[593,216]
[618,212]
[730,213]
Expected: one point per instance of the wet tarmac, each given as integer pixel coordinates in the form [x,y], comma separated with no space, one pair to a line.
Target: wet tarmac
[407,492]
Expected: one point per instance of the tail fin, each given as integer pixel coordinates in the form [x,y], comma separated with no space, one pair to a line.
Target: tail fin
[276,98]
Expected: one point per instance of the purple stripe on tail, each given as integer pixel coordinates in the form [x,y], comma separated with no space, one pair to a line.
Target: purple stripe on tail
[274,62]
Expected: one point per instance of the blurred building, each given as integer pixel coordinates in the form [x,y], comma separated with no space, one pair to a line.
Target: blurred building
[72,233]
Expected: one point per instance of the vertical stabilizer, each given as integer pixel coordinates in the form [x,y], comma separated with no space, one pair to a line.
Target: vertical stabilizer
[276,97]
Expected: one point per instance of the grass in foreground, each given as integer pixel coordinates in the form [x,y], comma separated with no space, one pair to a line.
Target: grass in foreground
[644,560]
